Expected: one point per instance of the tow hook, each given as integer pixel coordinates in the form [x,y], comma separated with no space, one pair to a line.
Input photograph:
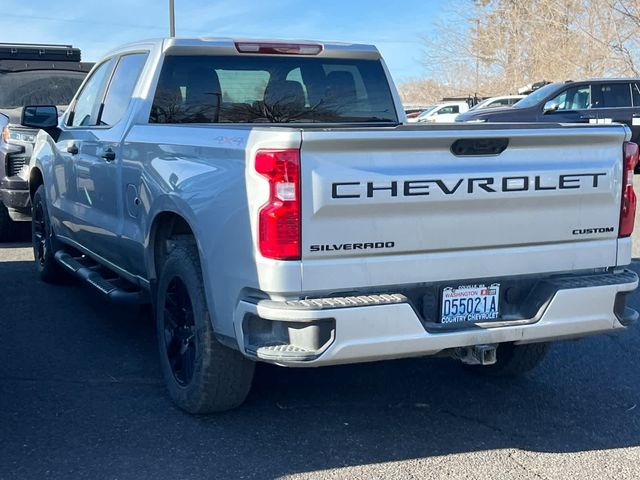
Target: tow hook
[477,354]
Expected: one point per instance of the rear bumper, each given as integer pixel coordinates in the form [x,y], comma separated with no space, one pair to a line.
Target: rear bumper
[388,327]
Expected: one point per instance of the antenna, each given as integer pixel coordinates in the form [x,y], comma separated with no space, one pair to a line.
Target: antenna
[172,19]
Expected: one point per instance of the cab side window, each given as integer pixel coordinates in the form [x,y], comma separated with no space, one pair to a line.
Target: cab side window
[121,87]
[87,105]
[614,95]
[449,109]
[574,98]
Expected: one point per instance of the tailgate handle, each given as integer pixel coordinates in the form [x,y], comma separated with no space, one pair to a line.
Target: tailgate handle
[468,147]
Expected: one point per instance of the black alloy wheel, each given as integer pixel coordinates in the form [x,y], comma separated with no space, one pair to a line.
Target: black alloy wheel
[179,331]
[44,240]
[40,250]
[201,374]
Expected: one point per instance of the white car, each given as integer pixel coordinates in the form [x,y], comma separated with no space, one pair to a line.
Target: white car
[443,112]
[495,102]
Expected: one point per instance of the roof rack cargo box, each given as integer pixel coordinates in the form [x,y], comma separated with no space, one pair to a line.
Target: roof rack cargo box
[22,65]
[28,51]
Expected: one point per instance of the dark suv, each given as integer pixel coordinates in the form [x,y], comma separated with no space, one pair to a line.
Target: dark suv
[589,101]
[29,75]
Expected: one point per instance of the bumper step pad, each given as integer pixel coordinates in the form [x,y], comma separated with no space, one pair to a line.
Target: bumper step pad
[282,352]
[338,302]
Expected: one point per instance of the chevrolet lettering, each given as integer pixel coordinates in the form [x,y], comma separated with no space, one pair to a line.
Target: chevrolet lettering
[420,187]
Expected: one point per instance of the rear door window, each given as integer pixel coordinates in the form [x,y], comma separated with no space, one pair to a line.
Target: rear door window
[614,95]
[121,87]
[270,89]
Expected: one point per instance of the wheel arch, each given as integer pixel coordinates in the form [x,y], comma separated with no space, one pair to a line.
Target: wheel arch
[167,225]
[35,180]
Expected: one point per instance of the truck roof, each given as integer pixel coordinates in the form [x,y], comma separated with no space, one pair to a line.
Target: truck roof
[227,45]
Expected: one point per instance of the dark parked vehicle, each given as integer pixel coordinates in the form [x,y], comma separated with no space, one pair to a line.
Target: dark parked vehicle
[589,101]
[29,74]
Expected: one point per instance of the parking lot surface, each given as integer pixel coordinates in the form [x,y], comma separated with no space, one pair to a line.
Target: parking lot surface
[81,396]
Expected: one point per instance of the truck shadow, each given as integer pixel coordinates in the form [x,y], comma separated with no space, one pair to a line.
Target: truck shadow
[90,369]
[21,233]
[420,408]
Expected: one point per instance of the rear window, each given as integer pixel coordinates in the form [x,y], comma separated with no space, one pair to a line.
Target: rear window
[268,89]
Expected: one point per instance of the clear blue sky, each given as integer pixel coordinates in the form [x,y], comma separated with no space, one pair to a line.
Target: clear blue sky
[96,26]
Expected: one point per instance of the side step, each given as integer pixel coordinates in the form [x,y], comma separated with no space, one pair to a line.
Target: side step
[115,289]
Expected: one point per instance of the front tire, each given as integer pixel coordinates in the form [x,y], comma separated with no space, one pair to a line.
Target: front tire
[514,360]
[201,374]
[7,226]
[43,240]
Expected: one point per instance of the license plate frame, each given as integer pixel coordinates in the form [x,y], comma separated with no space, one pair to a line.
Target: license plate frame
[464,304]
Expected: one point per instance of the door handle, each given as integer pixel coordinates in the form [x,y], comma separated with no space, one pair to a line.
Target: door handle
[73,149]
[109,155]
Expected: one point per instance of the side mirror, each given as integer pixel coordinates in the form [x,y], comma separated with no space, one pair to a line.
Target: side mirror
[40,116]
[550,106]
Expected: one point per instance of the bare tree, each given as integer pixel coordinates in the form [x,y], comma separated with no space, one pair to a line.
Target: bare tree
[510,43]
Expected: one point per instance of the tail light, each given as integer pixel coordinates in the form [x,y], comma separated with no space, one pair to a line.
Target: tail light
[628,206]
[279,219]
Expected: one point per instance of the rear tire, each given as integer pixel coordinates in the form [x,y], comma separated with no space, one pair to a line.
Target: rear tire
[44,241]
[7,226]
[201,374]
[514,360]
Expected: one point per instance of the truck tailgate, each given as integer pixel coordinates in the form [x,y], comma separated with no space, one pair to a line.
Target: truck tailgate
[381,194]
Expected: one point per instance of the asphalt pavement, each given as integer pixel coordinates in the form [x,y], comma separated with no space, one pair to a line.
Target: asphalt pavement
[81,396]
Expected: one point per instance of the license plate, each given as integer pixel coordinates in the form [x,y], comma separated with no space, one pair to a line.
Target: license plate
[470,303]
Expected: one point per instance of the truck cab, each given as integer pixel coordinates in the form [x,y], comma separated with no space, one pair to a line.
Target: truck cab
[29,74]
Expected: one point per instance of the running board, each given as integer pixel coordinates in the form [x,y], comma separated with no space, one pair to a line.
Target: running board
[108,287]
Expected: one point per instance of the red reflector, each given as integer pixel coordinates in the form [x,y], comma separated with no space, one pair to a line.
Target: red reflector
[279,219]
[628,205]
[279,48]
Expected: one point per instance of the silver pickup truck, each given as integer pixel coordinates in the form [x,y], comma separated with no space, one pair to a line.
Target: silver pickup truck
[270,202]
